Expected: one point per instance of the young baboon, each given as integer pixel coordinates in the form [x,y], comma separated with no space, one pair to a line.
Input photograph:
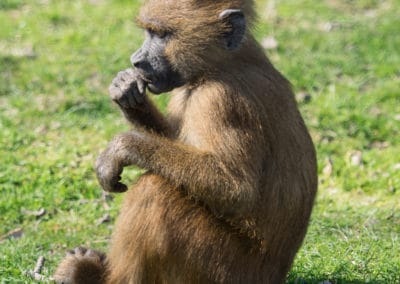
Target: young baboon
[231,171]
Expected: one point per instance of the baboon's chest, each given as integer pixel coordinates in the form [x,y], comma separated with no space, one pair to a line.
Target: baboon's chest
[191,132]
[191,119]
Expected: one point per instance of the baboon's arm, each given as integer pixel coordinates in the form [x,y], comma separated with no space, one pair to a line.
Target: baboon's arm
[147,117]
[222,185]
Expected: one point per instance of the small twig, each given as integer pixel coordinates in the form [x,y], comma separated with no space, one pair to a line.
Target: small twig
[39,264]
[35,274]
[14,234]
[105,219]
[39,213]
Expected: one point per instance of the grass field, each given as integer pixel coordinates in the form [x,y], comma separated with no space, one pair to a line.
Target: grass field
[58,57]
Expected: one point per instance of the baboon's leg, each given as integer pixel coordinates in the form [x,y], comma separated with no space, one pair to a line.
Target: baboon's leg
[163,237]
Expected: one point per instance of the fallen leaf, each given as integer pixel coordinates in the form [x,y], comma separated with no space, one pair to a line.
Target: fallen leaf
[105,219]
[83,201]
[14,234]
[328,169]
[380,145]
[328,136]
[39,213]
[303,97]
[24,52]
[269,43]
[356,158]
[328,26]
[370,13]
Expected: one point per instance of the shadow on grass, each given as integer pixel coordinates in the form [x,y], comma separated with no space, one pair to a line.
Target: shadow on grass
[335,281]
[8,65]
[10,4]
[94,108]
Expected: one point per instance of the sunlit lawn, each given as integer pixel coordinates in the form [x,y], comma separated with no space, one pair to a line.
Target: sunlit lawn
[58,57]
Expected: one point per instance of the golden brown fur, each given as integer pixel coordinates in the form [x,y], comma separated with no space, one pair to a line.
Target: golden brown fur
[232,171]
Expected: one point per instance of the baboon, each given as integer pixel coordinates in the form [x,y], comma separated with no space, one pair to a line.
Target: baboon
[231,170]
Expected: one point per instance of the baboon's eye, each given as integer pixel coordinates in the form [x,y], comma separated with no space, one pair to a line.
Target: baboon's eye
[157,33]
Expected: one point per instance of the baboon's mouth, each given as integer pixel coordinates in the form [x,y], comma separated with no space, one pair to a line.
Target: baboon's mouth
[155,89]
[145,78]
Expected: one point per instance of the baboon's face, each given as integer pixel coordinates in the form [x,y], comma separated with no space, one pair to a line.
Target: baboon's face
[182,43]
[151,61]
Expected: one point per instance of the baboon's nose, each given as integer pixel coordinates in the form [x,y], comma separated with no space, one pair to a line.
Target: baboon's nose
[137,58]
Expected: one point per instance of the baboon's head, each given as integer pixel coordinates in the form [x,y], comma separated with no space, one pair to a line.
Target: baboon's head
[187,38]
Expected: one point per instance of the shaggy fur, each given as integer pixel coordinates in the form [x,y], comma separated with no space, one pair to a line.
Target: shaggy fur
[231,174]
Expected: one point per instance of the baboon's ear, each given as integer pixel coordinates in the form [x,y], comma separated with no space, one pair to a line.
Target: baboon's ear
[236,21]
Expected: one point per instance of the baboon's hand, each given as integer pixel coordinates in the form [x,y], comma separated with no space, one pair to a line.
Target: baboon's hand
[108,171]
[128,89]
[122,151]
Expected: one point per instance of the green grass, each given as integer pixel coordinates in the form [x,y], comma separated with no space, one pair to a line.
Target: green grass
[58,57]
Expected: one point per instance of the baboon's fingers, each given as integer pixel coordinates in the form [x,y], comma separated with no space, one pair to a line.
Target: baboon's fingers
[123,100]
[131,96]
[80,250]
[114,91]
[115,82]
[141,86]
[138,95]
[126,76]
[131,72]
[121,76]
[134,97]
[119,187]
[95,255]
[140,83]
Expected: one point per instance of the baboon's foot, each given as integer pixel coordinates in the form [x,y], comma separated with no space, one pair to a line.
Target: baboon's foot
[81,266]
